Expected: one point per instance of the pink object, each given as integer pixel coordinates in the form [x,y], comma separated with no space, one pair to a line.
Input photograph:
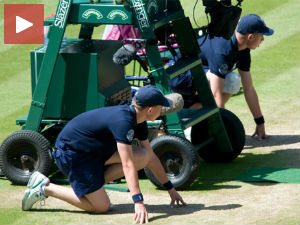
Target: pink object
[122,32]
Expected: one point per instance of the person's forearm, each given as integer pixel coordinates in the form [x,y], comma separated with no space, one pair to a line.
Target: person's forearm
[253,102]
[154,164]
[157,169]
[126,156]
[131,178]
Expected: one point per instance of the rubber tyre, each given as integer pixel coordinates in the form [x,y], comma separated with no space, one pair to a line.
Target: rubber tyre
[235,131]
[179,159]
[30,147]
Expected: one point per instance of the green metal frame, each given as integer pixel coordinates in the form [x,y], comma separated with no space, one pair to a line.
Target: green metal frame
[147,16]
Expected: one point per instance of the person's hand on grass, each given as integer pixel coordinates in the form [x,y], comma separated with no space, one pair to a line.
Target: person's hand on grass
[260,132]
[141,214]
[175,198]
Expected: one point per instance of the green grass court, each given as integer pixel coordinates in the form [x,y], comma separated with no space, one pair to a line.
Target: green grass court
[275,71]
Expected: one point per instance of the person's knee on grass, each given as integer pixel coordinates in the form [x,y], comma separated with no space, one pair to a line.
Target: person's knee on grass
[98,200]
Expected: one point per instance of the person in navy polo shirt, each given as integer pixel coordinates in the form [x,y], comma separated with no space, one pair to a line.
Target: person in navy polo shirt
[220,57]
[95,148]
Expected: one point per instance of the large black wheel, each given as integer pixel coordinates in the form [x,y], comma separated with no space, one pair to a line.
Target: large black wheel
[211,152]
[179,159]
[24,152]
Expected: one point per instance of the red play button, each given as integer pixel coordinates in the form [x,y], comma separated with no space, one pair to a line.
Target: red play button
[23,23]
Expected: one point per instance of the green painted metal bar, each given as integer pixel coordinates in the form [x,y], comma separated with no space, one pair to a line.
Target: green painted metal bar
[157,68]
[162,81]
[100,14]
[208,141]
[141,15]
[216,126]
[190,117]
[155,123]
[56,34]
[202,87]
[23,120]
[182,66]
[218,132]
[174,125]
[146,25]
[166,19]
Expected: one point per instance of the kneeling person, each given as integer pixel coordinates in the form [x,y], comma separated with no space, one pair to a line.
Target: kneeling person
[95,148]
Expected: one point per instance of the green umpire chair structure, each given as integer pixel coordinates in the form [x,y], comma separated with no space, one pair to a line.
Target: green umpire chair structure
[71,76]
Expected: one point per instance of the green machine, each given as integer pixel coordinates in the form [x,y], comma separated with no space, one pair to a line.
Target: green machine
[71,76]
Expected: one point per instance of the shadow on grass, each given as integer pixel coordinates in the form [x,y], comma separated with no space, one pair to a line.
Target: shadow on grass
[59,210]
[213,176]
[273,140]
[166,211]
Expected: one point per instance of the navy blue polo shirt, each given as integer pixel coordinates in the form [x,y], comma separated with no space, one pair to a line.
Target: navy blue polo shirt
[218,55]
[98,131]
[221,56]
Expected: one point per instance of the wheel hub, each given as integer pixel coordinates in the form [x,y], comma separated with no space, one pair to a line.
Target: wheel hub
[27,162]
[173,165]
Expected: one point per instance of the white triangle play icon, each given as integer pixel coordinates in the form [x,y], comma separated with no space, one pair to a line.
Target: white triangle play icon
[22,24]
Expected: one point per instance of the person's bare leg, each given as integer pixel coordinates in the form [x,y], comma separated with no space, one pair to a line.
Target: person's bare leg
[196,105]
[217,87]
[226,97]
[97,201]
[114,170]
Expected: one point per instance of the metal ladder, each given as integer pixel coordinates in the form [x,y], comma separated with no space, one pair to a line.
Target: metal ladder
[149,16]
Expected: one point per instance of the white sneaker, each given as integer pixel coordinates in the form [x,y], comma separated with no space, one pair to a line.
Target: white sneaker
[34,192]
[35,178]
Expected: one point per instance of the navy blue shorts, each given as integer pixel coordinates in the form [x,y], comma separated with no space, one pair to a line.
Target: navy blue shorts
[85,171]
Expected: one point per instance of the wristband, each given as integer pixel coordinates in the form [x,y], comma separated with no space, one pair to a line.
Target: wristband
[259,120]
[137,197]
[168,185]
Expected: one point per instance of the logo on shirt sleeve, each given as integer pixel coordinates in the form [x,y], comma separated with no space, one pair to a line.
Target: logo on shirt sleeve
[130,135]
[223,69]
